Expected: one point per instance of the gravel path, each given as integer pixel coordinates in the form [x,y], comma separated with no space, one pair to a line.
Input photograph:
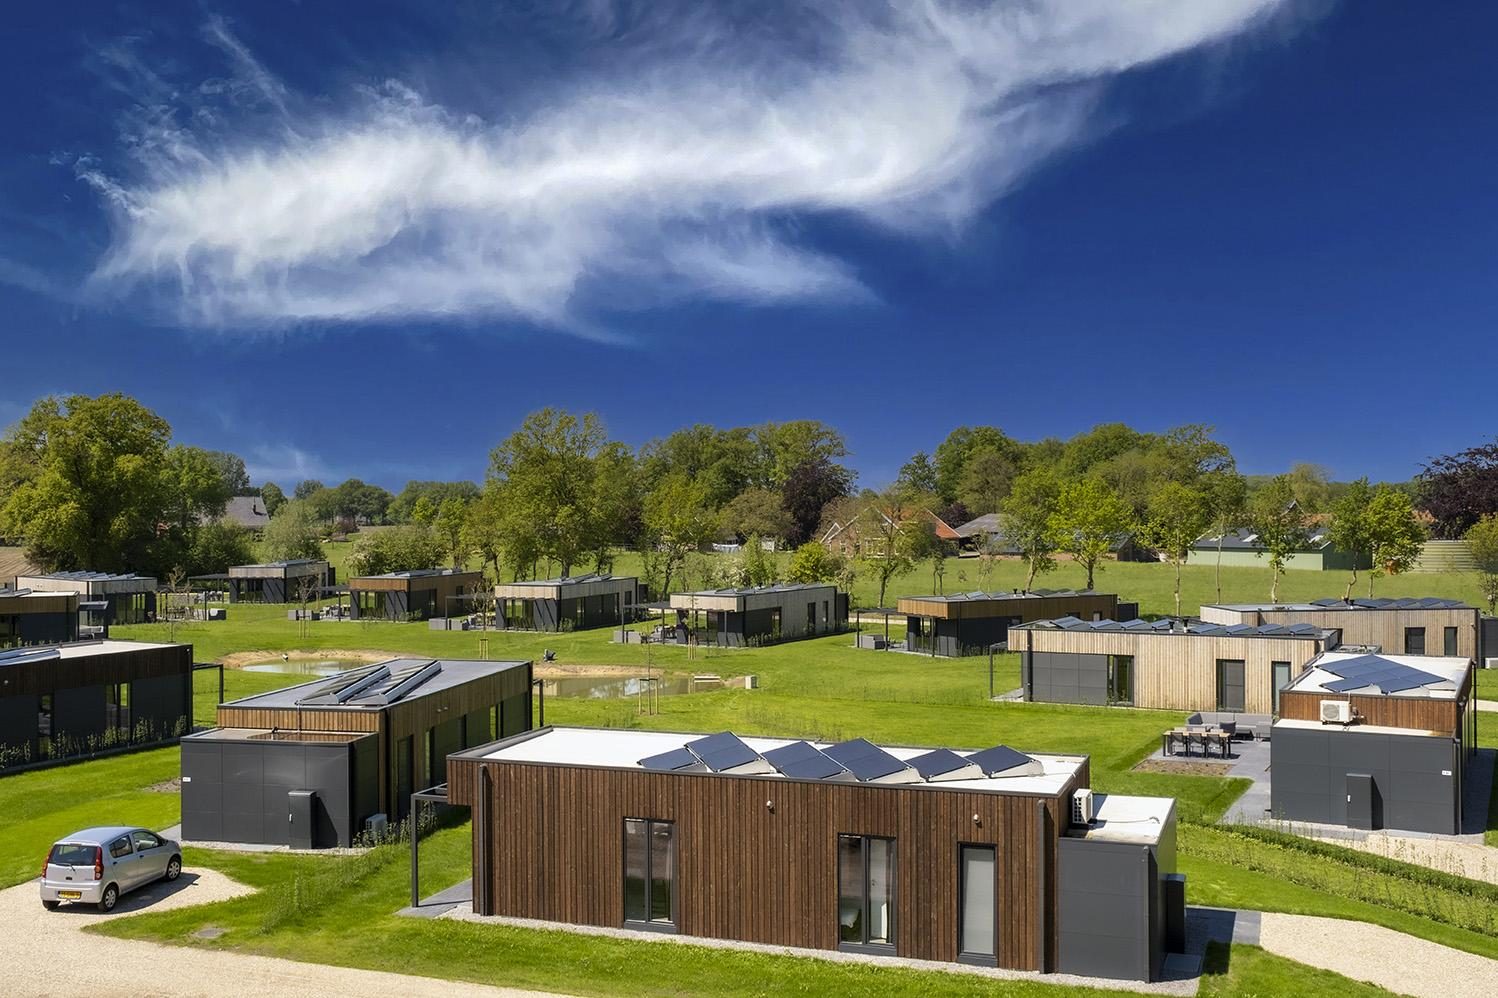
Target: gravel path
[44,953]
[1401,963]
[1463,859]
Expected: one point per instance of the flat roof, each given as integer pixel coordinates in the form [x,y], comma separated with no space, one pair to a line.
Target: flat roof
[416,573]
[376,686]
[978,595]
[76,649]
[771,589]
[1354,729]
[1117,818]
[90,576]
[278,735]
[1338,673]
[613,748]
[292,563]
[24,592]
[572,580]
[1171,625]
[1332,603]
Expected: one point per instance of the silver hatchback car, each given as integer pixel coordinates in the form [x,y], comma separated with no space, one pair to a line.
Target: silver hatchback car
[97,865]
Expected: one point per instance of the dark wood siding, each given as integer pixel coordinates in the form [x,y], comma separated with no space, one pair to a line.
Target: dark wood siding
[553,841]
[1414,713]
[123,666]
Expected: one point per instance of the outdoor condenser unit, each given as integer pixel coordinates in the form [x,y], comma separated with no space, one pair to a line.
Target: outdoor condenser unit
[375,825]
[1081,807]
[1336,712]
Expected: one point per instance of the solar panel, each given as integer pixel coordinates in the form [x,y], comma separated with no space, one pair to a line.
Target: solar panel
[16,656]
[1000,759]
[944,764]
[804,761]
[674,761]
[1374,670]
[867,761]
[347,685]
[723,752]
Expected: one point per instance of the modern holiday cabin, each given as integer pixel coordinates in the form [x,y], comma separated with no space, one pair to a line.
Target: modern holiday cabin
[570,603]
[759,615]
[418,594]
[970,623]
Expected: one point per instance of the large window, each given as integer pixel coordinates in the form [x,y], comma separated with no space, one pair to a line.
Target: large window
[1230,684]
[117,706]
[650,874]
[44,726]
[1449,644]
[976,867]
[1414,641]
[1121,679]
[1281,675]
[866,892]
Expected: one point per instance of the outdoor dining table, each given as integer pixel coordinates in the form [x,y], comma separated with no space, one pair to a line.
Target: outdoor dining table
[1206,737]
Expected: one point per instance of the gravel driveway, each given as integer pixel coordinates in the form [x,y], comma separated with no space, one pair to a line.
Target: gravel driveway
[45,953]
[1403,964]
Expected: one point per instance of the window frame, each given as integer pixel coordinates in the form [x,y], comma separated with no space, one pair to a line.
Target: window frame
[1450,641]
[649,924]
[882,949]
[116,853]
[990,959]
[1112,666]
[1222,685]
[1411,632]
[1274,682]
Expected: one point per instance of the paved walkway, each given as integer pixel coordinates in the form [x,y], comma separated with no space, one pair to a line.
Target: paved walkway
[46,953]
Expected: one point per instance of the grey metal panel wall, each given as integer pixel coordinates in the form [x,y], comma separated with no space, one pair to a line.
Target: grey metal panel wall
[273,591]
[1105,896]
[1415,782]
[18,717]
[236,791]
[78,713]
[162,702]
[202,791]
[544,614]
[1063,677]
[364,781]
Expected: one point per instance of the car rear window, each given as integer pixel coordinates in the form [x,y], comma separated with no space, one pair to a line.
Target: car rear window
[72,854]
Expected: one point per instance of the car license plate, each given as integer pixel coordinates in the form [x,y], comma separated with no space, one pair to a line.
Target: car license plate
[70,895]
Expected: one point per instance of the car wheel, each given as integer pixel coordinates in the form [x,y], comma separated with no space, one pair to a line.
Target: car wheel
[174,869]
[50,905]
[109,898]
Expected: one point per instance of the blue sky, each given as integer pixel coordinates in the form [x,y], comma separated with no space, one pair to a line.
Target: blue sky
[366,239]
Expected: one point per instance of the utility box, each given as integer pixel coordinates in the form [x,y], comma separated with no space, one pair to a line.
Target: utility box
[1174,889]
[301,807]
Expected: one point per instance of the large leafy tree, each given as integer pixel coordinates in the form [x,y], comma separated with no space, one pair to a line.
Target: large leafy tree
[216,546]
[398,549]
[1459,489]
[231,470]
[272,496]
[1178,514]
[759,512]
[1277,518]
[962,445]
[1088,517]
[435,493]
[1226,492]
[1349,527]
[986,480]
[86,482]
[292,533]
[307,487]
[919,473]
[1482,541]
[1028,511]
[1395,536]
[890,531]
[679,520]
[807,491]
[812,562]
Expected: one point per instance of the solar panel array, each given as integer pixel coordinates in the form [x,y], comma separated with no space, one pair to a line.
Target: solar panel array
[857,760]
[1374,670]
[1397,603]
[1175,626]
[381,684]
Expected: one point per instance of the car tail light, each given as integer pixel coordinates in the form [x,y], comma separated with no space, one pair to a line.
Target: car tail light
[98,862]
[45,863]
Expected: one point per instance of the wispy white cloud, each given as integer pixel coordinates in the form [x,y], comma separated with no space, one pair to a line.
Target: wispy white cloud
[287,465]
[682,177]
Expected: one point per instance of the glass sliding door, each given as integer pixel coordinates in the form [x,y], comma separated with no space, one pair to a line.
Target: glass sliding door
[649,874]
[866,892]
[977,866]
[1281,677]
[1230,685]
[1121,679]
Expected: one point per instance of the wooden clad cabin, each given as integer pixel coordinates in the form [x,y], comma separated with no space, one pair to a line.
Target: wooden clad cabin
[1393,756]
[417,594]
[927,854]
[1164,664]
[277,581]
[37,617]
[363,741]
[70,699]
[1398,625]
[970,623]
[127,598]
[756,615]
[570,603]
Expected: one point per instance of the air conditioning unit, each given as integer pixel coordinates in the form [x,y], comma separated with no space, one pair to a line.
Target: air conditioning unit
[1336,712]
[1490,663]
[1081,807]
[376,825]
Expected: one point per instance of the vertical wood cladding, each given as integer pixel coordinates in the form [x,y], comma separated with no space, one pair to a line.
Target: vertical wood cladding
[552,844]
[1369,626]
[1415,713]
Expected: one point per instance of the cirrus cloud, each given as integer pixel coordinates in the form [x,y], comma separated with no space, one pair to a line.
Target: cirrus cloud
[680,172]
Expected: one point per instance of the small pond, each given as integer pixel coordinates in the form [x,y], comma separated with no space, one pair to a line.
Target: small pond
[306,666]
[611,687]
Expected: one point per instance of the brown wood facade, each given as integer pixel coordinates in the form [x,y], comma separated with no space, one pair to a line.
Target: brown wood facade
[756,856]
[1415,713]
[1175,671]
[1024,608]
[1369,626]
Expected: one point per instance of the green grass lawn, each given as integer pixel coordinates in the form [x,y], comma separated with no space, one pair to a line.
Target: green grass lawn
[43,805]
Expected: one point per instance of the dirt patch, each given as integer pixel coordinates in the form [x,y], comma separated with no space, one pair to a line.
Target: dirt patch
[1173,767]
[172,786]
